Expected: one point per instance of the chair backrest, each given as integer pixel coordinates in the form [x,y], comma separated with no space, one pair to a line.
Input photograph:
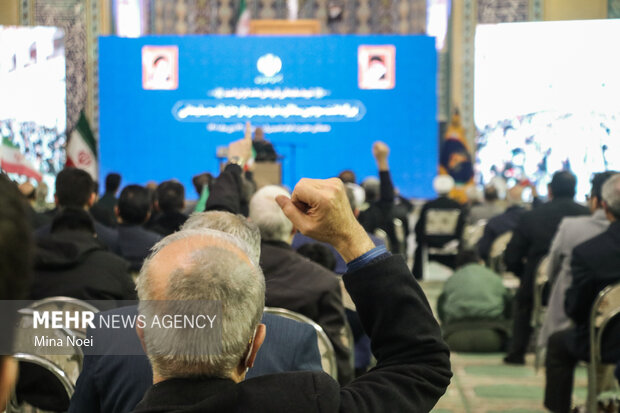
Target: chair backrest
[64,304]
[399,231]
[48,370]
[442,221]
[605,308]
[326,349]
[496,253]
[472,234]
[383,236]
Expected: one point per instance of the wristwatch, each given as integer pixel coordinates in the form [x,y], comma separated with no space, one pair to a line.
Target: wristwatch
[237,160]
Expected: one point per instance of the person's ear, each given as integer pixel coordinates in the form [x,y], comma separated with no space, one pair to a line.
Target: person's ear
[92,199]
[550,191]
[56,199]
[148,216]
[259,337]
[356,212]
[140,333]
[8,376]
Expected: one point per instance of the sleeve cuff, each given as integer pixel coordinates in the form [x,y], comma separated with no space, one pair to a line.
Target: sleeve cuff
[374,254]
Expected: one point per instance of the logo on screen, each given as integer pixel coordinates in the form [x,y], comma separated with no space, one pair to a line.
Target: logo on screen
[376,67]
[269,66]
[160,67]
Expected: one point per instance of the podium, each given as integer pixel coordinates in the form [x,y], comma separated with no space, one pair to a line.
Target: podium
[302,27]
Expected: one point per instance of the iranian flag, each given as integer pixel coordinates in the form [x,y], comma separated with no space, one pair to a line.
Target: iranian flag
[82,148]
[243,22]
[13,161]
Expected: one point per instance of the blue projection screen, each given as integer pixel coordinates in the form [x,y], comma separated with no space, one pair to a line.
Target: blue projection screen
[167,103]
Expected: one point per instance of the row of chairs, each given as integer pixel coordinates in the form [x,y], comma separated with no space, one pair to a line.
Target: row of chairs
[61,369]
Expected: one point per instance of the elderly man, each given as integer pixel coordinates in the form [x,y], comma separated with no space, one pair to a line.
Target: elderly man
[412,369]
[114,381]
[595,264]
[296,283]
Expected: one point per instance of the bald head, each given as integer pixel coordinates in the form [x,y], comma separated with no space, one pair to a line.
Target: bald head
[201,266]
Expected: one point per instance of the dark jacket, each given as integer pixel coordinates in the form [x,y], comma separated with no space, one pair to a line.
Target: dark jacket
[532,238]
[135,243]
[412,372]
[166,223]
[75,264]
[107,236]
[103,210]
[497,226]
[117,373]
[298,284]
[595,265]
[381,213]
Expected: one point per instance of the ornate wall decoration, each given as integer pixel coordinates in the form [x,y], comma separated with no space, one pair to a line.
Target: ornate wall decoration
[79,19]
[358,16]
[502,11]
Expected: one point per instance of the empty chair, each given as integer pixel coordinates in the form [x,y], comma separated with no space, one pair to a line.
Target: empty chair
[472,234]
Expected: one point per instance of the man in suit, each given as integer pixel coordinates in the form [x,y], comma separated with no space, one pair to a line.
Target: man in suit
[117,373]
[441,222]
[74,188]
[529,244]
[296,283]
[413,368]
[572,232]
[595,265]
[133,210]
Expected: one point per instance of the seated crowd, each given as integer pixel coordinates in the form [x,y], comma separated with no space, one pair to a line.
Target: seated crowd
[332,251]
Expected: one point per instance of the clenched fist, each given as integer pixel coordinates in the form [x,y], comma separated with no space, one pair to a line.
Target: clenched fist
[381,152]
[319,208]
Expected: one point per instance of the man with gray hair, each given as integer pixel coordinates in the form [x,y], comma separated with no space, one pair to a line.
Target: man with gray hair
[413,368]
[595,264]
[296,283]
[113,381]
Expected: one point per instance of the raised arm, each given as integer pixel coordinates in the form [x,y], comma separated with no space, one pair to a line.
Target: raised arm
[413,367]
[381,152]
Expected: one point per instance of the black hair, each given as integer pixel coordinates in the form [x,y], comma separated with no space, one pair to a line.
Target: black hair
[73,187]
[467,256]
[597,183]
[347,176]
[73,219]
[490,193]
[563,184]
[318,253]
[171,196]
[112,182]
[134,204]
[201,180]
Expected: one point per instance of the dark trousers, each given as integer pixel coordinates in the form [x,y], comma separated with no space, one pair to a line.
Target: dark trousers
[560,371]
[521,327]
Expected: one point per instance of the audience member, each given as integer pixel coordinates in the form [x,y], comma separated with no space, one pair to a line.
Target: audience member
[529,244]
[488,209]
[571,232]
[474,308]
[379,213]
[502,223]
[133,211]
[70,262]
[595,264]
[16,252]
[441,222]
[74,188]
[348,177]
[170,203]
[114,381]
[294,282]
[103,209]
[201,183]
[412,369]
[36,219]
[318,253]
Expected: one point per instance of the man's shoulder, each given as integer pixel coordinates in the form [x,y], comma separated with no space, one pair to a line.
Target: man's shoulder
[597,246]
